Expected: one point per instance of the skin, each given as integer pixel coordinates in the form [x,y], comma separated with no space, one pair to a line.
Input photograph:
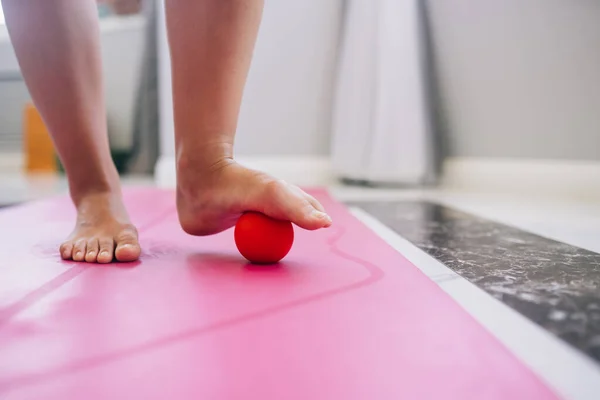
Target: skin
[58,48]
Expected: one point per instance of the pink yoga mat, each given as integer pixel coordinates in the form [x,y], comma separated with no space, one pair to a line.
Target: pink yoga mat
[344,316]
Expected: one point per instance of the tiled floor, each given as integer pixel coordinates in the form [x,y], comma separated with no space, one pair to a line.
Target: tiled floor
[539,220]
[554,284]
[572,374]
[474,257]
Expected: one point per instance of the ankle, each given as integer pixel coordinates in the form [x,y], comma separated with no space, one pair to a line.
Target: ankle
[205,157]
[98,186]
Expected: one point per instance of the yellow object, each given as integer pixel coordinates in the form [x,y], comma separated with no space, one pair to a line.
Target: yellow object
[40,155]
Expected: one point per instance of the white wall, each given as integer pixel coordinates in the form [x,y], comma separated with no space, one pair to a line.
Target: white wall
[519,78]
[286,108]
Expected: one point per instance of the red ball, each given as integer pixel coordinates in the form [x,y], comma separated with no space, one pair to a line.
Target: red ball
[261,239]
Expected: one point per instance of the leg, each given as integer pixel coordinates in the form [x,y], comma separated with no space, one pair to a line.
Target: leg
[57,45]
[211,45]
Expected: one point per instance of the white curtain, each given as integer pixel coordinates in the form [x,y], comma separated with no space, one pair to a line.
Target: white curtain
[381,129]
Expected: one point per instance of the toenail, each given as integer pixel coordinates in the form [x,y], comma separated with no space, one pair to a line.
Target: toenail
[321,215]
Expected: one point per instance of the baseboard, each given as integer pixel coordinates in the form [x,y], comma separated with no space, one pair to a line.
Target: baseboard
[11,162]
[556,178]
[165,175]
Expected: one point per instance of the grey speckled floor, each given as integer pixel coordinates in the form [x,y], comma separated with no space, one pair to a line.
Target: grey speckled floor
[554,284]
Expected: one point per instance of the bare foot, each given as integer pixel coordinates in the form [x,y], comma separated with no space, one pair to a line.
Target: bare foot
[211,199]
[102,232]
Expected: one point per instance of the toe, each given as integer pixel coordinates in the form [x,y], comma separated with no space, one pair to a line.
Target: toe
[66,250]
[91,250]
[295,205]
[79,250]
[314,202]
[317,214]
[319,207]
[311,218]
[106,250]
[128,247]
